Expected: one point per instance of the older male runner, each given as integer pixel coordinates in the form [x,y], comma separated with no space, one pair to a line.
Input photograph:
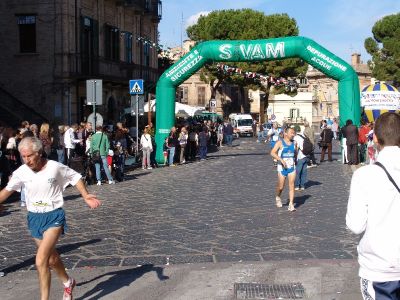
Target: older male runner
[44,181]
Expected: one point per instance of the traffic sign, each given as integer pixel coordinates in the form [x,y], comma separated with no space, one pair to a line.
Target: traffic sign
[94,92]
[139,102]
[136,87]
[213,105]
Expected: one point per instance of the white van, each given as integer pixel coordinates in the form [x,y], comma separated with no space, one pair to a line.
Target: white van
[242,124]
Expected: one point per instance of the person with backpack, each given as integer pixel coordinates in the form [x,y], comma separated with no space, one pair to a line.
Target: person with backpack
[373,209]
[304,147]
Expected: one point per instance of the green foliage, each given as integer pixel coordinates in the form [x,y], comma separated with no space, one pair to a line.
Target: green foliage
[246,24]
[384,48]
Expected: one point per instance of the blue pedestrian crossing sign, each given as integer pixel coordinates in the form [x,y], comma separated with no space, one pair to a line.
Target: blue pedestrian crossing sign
[136,87]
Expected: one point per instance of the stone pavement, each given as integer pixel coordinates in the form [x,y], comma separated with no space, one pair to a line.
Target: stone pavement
[193,222]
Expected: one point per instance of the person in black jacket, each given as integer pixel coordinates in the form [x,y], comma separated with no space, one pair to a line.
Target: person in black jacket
[350,132]
[326,142]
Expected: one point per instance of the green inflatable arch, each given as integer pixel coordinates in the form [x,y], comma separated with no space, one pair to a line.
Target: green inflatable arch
[250,51]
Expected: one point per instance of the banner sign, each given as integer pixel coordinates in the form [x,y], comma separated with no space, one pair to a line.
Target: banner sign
[385,100]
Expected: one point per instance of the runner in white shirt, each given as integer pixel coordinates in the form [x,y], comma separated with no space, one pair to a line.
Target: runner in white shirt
[44,181]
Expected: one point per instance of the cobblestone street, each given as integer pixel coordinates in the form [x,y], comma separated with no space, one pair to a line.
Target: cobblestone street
[218,210]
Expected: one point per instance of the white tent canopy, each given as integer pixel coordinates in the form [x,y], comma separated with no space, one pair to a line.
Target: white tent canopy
[190,110]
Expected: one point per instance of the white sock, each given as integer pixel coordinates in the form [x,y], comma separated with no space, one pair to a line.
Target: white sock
[68,283]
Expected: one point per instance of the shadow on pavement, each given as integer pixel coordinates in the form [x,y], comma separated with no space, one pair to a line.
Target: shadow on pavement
[62,249]
[300,200]
[118,280]
[310,183]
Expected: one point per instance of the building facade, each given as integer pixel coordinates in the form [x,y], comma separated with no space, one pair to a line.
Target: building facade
[50,49]
[317,96]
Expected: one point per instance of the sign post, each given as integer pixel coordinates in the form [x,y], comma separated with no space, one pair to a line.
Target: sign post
[94,95]
[136,88]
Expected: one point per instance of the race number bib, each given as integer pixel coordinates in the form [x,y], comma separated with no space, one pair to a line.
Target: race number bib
[289,161]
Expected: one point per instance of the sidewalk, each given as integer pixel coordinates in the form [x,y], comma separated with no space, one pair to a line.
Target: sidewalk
[321,279]
[204,235]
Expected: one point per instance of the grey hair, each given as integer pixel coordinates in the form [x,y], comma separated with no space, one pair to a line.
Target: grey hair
[31,142]
[306,124]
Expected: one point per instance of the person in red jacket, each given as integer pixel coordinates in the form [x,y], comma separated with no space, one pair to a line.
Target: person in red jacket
[362,141]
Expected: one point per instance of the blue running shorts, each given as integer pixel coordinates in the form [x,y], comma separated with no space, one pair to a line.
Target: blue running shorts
[38,223]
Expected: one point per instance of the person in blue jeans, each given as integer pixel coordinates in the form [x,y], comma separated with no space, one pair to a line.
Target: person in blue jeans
[99,142]
[301,164]
[172,142]
[203,141]
[228,133]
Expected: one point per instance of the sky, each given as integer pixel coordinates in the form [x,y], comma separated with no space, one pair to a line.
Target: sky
[341,26]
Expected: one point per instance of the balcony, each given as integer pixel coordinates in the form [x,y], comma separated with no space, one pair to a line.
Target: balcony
[152,8]
[117,71]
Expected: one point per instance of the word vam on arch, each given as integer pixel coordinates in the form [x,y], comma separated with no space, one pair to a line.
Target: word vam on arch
[253,51]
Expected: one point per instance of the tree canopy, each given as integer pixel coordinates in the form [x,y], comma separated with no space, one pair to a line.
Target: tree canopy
[384,47]
[246,24]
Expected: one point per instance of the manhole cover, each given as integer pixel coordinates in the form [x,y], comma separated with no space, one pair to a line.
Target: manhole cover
[256,291]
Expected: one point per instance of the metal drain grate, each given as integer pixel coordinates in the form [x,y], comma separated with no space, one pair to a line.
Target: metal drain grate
[256,291]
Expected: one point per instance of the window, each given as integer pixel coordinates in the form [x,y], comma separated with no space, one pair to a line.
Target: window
[146,53]
[89,45]
[201,95]
[27,33]
[303,80]
[294,113]
[111,42]
[128,47]
[183,94]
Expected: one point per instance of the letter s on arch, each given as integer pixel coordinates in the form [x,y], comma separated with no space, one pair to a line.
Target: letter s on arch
[225,50]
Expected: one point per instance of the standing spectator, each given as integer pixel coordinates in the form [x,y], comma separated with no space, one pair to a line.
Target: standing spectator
[59,144]
[118,162]
[301,163]
[254,128]
[183,137]
[326,143]
[44,181]
[309,132]
[120,135]
[34,128]
[284,153]
[165,151]
[203,142]
[363,140]
[46,138]
[371,147]
[70,142]
[147,148]
[335,129]
[24,126]
[172,143]
[99,142]
[373,209]
[193,143]
[220,131]
[228,133]
[350,131]
[273,136]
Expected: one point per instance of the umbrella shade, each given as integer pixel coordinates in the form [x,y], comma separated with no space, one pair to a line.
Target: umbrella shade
[379,98]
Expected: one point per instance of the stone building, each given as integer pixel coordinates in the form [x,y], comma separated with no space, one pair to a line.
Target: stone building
[317,96]
[50,49]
